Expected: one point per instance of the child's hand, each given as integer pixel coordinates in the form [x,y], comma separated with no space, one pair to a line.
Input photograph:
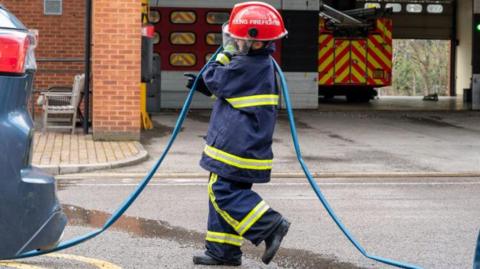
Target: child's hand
[201,87]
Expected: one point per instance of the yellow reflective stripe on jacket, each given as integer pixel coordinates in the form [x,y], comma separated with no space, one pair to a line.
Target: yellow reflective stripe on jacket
[254,100]
[252,217]
[224,238]
[248,221]
[222,58]
[237,161]
[231,221]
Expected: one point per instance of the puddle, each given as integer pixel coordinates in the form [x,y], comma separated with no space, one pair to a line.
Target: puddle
[283,118]
[335,136]
[199,116]
[148,228]
[323,159]
[431,121]
[141,227]
[394,162]
[277,140]
[311,158]
[159,130]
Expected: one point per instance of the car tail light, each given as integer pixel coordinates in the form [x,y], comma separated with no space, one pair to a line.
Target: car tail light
[148,31]
[17,51]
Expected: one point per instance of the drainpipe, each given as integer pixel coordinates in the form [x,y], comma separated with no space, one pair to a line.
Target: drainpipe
[453,52]
[88,52]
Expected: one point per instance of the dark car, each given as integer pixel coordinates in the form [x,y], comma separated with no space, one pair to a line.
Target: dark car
[30,214]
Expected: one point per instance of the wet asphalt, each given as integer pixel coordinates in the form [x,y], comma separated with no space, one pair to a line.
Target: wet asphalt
[342,141]
[431,222]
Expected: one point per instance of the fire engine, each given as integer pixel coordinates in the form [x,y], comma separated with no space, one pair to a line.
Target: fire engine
[355,52]
[327,52]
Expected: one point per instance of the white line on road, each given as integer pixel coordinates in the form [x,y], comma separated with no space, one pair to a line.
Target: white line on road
[168,175]
[281,184]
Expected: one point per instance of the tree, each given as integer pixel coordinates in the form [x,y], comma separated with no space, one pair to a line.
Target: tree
[420,67]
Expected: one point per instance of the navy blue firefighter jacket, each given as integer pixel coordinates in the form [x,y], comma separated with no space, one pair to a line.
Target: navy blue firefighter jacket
[239,138]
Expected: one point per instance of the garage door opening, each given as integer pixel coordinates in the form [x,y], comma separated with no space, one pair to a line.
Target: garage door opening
[420,68]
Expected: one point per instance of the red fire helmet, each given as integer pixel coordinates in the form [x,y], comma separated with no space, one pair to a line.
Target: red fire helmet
[256,21]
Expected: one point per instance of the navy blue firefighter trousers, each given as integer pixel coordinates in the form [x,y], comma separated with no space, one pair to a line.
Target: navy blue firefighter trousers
[236,212]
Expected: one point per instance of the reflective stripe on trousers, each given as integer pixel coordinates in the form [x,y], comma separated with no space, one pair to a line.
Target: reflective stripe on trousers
[237,161]
[241,227]
[224,238]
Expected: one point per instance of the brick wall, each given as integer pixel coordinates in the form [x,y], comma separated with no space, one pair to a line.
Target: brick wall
[115,58]
[116,69]
[60,37]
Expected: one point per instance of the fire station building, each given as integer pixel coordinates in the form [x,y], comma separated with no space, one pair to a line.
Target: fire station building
[186,33]
[115,58]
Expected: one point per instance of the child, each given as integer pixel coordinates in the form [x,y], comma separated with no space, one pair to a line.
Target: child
[239,140]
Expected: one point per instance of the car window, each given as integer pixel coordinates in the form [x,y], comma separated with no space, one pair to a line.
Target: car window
[7,20]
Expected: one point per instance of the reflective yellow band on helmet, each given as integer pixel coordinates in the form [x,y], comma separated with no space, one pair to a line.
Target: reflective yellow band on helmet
[254,100]
[224,238]
[237,161]
[252,217]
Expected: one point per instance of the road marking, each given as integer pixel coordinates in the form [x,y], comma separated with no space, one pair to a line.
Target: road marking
[166,175]
[280,184]
[20,265]
[95,262]
[91,261]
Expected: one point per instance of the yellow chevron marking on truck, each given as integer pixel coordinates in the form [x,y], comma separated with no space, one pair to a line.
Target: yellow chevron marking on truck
[381,40]
[383,28]
[359,62]
[379,54]
[341,75]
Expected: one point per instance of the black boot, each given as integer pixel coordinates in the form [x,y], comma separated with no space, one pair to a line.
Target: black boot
[204,259]
[272,242]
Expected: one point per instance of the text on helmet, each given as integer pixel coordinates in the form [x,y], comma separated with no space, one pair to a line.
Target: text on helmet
[256,22]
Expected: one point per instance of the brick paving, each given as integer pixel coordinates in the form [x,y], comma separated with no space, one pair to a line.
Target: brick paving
[56,149]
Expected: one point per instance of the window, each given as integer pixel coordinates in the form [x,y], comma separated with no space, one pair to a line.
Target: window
[182,38]
[414,8]
[7,20]
[436,9]
[156,38]
[372,5]
[217,17]
[52,7]
[396,7]
[208,56]
[214,39]
[183,17]
[183,59]
[154,16]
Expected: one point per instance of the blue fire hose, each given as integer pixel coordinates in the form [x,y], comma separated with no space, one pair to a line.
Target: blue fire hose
[315,186]
[140,187]
[476,259]
[126,204]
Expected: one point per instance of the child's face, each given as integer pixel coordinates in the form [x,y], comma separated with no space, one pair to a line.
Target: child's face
[241,44]
[245,46]
[257,45]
